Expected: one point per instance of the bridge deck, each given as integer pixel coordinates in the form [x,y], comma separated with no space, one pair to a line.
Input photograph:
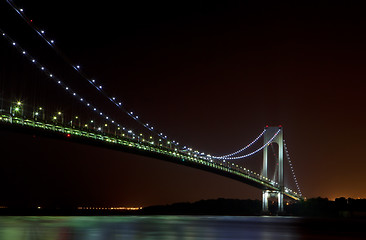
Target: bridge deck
[86,136]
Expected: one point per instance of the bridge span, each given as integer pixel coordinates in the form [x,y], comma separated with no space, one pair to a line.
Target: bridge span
[186,158]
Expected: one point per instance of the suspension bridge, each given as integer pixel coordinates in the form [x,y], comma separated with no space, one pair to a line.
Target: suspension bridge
[103,130]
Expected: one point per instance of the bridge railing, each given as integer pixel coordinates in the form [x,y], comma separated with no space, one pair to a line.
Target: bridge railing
[206,161]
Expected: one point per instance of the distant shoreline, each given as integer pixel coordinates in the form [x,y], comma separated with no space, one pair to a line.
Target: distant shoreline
[315,207]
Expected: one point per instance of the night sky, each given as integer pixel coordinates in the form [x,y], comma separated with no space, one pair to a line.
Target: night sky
[210,76]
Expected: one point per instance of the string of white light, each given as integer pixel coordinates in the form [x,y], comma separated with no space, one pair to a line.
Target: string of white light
[292,169]
[59,82]
[93,82]
[244,148]
[90,106]
[250,154]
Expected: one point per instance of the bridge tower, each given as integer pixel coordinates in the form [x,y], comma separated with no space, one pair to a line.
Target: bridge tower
[271,131]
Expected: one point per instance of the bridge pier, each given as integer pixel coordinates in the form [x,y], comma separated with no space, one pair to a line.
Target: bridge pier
[271,131]
[265,201]
[280,202]
[266,194]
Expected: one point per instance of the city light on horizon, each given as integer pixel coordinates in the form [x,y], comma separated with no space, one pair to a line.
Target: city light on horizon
[111,208]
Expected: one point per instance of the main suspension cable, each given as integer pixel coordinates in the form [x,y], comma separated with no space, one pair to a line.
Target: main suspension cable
[99,87]
[58,81]
[250,154]
[244,148]
[292,169]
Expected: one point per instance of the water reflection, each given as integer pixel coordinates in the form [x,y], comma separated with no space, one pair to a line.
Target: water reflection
[155,227]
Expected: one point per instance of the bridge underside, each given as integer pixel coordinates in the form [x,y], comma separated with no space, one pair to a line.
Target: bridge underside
[122,148]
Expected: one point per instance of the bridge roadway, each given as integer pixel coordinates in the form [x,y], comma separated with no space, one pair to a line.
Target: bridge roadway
[146,148]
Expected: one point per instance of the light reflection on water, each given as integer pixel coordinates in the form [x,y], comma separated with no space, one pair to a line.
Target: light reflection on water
[150,227]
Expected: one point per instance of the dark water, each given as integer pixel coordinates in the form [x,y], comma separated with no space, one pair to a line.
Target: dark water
[178,228]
